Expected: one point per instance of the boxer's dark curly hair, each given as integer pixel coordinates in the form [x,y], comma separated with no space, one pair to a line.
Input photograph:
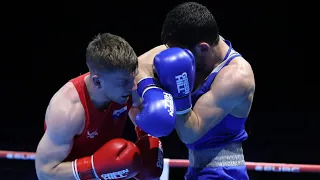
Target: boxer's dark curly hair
[189,24]
[108,52]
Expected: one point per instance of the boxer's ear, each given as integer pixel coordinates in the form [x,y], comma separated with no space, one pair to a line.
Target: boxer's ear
[202,49]
[96,81]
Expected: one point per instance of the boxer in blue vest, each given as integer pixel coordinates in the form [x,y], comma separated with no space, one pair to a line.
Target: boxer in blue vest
[212,86]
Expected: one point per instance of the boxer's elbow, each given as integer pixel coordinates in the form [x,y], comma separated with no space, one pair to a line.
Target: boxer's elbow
[45,164]
[46,172]
[51,171]
[48,169]
[191,120]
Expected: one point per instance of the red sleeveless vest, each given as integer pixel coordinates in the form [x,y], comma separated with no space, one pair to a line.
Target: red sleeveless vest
[100,126]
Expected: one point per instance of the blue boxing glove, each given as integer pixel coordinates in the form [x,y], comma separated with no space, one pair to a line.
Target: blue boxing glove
[158,114]
[176,72]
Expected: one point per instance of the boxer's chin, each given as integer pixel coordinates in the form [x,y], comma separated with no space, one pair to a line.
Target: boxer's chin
[123,99]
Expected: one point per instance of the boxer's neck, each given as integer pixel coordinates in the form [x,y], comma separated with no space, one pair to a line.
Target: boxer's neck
[219,51]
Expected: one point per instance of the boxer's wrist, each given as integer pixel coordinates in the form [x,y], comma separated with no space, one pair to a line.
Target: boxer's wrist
[146,83]
[183,105]
[140,132]
[83,168]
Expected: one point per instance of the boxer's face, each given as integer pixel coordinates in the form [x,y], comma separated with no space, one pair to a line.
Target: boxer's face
[202,54]
[200,62]
[118,85]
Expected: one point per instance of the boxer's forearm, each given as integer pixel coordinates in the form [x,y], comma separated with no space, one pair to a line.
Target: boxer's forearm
[147,57]
[62,171]
[190,119]
[145,66]
[133,113]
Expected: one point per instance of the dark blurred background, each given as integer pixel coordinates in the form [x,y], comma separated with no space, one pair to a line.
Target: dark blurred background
[280,128]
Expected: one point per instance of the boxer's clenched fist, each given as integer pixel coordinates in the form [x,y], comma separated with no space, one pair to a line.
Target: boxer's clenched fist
[117,159]
[152,156]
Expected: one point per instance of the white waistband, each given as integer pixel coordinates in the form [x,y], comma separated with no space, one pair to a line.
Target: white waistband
[230,155]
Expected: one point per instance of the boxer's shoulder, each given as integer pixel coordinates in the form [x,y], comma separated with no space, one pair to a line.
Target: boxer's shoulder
[238,74]
[65,110]
[70,92]
[241,64]
[67,94]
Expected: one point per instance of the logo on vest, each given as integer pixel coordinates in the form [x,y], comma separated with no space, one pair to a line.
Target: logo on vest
[92,134]
[119,112]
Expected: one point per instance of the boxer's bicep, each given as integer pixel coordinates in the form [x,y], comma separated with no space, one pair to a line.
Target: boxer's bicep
[62,122]
[230,89]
